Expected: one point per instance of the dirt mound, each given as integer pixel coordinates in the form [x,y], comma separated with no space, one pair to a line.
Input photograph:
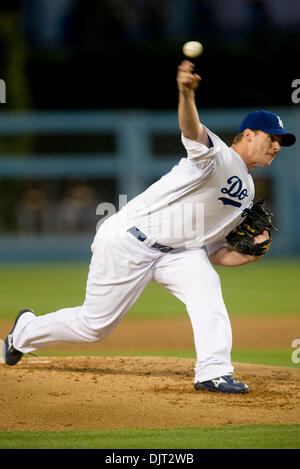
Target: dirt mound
[103,393]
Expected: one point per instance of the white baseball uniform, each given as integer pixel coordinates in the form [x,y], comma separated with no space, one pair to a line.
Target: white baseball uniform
[161,236]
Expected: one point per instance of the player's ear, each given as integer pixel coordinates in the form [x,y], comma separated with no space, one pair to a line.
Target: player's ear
[248,135]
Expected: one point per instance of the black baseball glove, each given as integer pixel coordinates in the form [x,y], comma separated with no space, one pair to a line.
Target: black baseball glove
[258,219]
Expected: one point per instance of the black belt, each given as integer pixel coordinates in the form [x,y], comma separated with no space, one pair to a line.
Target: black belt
[141,237]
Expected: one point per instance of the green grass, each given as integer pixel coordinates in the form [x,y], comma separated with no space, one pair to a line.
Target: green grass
[43,287]
[266,288]
[231,437]
[271,357]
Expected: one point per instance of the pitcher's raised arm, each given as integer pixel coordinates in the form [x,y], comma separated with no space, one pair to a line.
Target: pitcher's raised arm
[189,122]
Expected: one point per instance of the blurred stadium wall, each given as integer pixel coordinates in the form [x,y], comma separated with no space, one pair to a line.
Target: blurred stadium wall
[52,213]
[91,100]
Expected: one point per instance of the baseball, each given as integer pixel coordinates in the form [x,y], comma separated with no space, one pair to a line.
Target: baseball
[192,49]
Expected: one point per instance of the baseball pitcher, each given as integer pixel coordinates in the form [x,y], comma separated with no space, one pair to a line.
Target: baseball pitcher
[199,214]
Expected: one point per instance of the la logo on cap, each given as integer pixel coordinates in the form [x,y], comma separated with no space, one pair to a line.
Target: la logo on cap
[280,122]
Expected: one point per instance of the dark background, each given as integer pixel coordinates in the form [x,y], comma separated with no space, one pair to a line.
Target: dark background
[58,55]
[108,54]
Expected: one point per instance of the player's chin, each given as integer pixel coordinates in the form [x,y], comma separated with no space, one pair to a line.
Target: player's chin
[268,161]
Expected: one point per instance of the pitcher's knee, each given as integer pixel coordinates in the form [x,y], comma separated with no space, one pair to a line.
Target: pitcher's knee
[96,328]
[203,284]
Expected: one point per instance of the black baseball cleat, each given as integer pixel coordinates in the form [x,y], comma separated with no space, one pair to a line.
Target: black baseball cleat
[11,356]
[225,384]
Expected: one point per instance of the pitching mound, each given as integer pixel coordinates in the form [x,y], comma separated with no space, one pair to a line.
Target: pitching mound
[103,393]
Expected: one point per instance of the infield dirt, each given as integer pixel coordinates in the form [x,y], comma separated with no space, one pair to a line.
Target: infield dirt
[104,392]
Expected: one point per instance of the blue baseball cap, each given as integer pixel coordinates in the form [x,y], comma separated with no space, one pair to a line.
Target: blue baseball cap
[267,122]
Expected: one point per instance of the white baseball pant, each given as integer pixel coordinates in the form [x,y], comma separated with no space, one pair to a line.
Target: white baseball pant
[120,269]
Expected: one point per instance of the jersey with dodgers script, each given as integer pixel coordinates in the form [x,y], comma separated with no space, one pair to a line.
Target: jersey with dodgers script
[198,202]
